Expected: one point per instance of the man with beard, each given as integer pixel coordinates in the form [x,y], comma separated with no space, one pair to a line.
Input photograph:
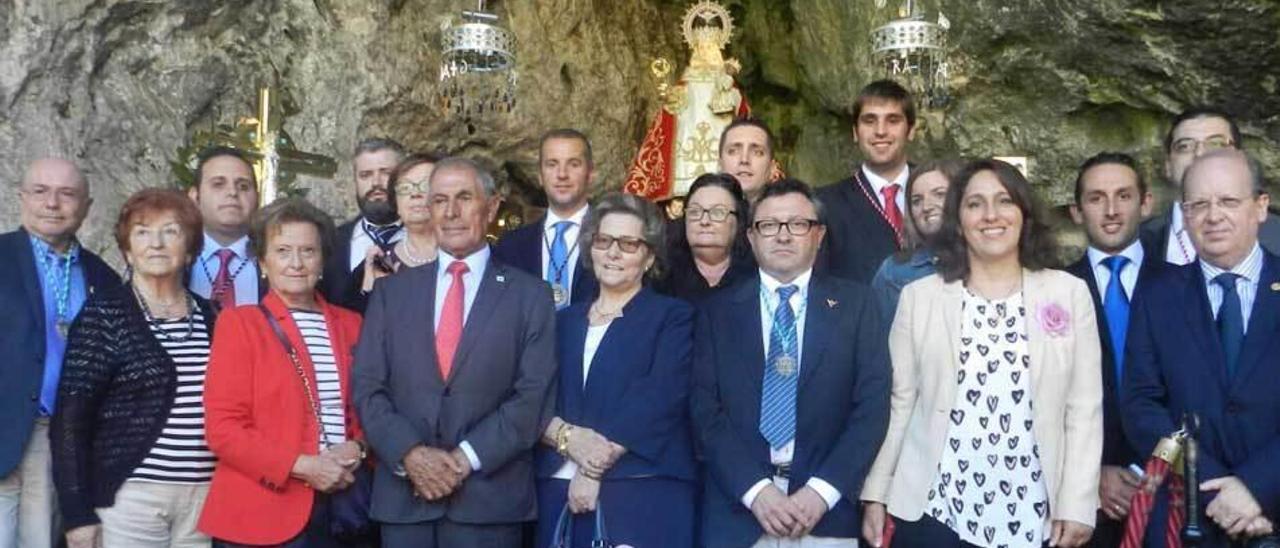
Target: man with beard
[377,226]
[866,209]
[548,248]
[746,152]
[1111,198]
[227,195]
[1194,132]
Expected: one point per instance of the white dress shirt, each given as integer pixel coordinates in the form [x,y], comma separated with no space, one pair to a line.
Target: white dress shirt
[361,242]
[595,334]
[1250,269]
[476,263]
[570,242]
[1128,274]
[878,183]
[769,302]
[1179,250]
[205,269]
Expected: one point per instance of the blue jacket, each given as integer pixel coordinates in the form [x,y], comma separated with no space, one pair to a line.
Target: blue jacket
[522,248]
[637,393]
[842,404]
[22,343]
[1175,364]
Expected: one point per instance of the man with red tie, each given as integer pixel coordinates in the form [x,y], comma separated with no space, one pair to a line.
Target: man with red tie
[451,391]
[227,194]
[865,210]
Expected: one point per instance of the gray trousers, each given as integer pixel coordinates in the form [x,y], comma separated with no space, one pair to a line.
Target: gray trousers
[27,496]
[443,533]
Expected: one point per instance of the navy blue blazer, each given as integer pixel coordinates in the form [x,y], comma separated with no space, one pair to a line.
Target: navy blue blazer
[522,248]
[22,343]
[842,409]
[637,394]
[1175,364]
[1116,449]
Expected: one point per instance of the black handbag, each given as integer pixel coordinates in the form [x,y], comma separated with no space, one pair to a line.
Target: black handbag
[349,508]
[563,535]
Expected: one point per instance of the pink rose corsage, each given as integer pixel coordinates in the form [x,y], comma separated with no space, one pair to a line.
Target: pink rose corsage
[1054,320]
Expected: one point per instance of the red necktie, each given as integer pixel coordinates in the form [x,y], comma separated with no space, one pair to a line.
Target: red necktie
[891,211]
[449,331]
[224,286]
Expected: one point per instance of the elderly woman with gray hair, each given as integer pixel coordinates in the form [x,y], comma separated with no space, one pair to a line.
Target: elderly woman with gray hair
[619,444]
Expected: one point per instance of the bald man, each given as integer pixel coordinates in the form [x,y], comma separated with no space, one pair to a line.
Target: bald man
[46,278]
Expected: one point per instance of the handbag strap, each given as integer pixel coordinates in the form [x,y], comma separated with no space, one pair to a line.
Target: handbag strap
[562,537]
[312,401]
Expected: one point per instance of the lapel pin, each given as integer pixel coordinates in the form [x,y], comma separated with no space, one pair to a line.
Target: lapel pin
[500,278]
[831,303]
[1275,286]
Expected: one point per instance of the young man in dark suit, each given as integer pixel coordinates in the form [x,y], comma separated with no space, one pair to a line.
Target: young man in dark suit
[548,248]
[1193,132]
[1111,199]
[866,210]
[791,389]
[376,226]
[1203,340]
[48,279]
[452,379]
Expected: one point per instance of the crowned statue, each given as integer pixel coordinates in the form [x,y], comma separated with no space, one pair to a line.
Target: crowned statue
[683,141]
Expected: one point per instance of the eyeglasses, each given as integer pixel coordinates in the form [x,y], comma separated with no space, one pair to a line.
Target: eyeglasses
[1199,208]
[627,244]
[796,227]
[1188,145]
[405,188]
[718,214]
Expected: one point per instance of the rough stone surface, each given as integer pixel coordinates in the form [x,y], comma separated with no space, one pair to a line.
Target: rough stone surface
[118,85]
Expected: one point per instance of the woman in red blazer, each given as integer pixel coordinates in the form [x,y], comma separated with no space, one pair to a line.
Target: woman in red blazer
[274,470]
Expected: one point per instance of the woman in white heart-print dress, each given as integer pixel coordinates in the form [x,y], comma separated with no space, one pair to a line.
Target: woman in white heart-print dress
[995,433]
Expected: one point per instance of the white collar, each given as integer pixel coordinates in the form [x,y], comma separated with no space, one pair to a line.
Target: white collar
[1250,268]
[1135,253]
[239,247]
[801,282]
[577,218]
[1175,219]
[475,261]
[878,182]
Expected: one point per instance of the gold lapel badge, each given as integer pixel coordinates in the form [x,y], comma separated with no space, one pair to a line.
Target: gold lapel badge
[1275,286]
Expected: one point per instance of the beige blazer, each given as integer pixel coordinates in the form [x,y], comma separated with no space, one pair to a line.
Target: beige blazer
[1066,388]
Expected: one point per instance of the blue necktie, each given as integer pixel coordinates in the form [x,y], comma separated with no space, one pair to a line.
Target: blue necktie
[559,261]
[781,369]
[1230,320]
[1116,306]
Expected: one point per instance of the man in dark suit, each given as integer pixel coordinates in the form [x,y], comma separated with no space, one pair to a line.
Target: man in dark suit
[374,160]
[791,389]
[226,192]
[1203,340]
[48,278]
[453,415]
[1111,199]
[866,209]
[548,248]
[1194,132]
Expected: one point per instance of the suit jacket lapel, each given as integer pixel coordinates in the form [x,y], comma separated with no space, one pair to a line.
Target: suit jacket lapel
[492,286]
[572,391]
[746,308]
[423,313]
[30,277]
[1262,322]
[1200,323]
[818,319]
[1035,297]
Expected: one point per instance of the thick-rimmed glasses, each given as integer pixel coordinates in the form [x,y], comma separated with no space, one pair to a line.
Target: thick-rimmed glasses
[627,244]
[718,214]
[1187,145]
[796,227]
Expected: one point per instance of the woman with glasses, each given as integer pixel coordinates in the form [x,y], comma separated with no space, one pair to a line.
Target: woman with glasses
[619,441]
[407,191]
[708,247]
[995,426]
